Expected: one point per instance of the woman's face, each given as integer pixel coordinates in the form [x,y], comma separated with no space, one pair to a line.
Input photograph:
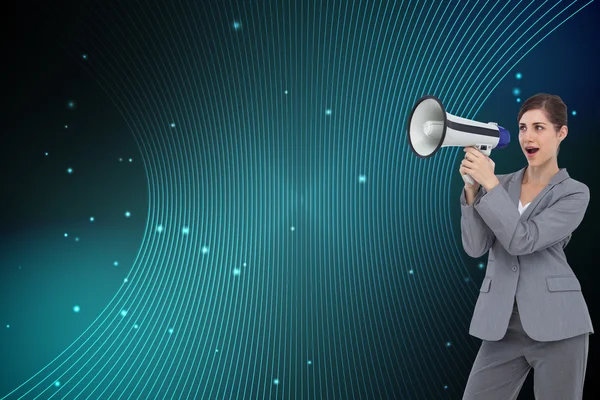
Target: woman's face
[538,138]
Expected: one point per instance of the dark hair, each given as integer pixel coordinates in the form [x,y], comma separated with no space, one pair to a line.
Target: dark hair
[551,104]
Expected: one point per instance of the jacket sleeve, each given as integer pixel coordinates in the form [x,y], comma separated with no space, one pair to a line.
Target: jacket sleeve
[551,226]
[477,237]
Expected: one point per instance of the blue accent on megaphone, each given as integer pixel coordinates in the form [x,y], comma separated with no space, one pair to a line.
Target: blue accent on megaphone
[504,138]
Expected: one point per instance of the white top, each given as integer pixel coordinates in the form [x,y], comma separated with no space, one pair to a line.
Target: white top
[523,207]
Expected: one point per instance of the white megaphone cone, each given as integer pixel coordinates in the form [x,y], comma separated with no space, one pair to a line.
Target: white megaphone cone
[431,127]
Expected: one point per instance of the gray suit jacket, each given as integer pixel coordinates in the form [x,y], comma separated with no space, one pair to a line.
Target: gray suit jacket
[526,261]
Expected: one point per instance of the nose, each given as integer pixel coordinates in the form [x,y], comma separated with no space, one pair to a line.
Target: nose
[526,136]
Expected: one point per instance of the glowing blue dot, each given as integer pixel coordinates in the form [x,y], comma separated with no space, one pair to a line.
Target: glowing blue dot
[573,112]
[7,325]
[185,230]
[516,91]
[66,126]
[57,383]
[481,265]
[204,250]
[411,272]
[84,56]
[328,112]
[76,239]
[71,104]
[309,362]
[91,219]
[171,331]
[76,309]
[448,344]
[445,386]
[127,214]
[292,228]
[120,159]
[136,326]
[518,75]
[518,99]
[236,25]
[172,124]
[66,234]
[286,92]
[276,381]
[125,280]
[159,228]
[217,350]
[362,179]
[46,153]
[116,263]
[69,170]
[245,264]
[467,279]
[123,313]
[236,271]
[131,160]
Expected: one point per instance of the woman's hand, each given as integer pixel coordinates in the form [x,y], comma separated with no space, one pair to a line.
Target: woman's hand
[480,167]
[469,187]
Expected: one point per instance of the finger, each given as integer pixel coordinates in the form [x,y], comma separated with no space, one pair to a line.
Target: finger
[474,152]
[468,168]
[477,153]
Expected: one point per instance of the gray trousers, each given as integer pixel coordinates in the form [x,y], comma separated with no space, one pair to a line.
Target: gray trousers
[502,366]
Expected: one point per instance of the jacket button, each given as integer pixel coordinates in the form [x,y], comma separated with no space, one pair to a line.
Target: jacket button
[514,267]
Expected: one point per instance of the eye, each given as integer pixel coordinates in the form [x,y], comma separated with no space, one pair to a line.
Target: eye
[522,128]
[540,128]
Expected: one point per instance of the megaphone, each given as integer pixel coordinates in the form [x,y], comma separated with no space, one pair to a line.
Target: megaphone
[431,127]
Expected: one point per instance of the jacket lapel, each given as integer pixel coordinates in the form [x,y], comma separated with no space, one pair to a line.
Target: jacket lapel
[560,176]
[514,187]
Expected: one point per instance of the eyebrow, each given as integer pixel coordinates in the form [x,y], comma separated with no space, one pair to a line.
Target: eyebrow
[534,123]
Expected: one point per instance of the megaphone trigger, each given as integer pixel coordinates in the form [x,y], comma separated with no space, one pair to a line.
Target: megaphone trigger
[484,149]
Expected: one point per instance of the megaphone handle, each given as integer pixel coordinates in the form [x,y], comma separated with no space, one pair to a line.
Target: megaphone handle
[467,178]
[487,150]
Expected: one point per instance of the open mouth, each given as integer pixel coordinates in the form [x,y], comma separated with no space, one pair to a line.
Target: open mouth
[531,150]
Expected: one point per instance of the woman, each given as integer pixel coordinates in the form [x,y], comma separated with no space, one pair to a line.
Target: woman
[530,311]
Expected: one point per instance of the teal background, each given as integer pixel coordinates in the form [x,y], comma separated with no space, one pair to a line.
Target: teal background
[297,277]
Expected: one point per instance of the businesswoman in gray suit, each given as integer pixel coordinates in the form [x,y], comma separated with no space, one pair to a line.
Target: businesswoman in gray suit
[530,311]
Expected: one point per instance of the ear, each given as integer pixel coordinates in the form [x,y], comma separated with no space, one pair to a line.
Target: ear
[563,132]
